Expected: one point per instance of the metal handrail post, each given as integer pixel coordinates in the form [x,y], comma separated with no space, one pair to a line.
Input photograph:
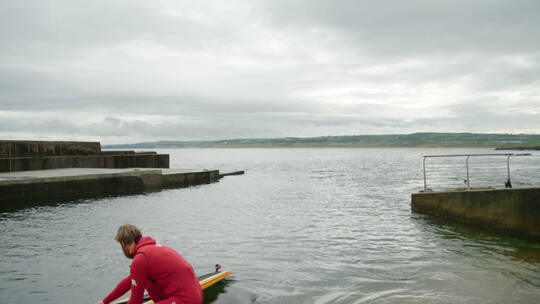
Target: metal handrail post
[468,179]
[425,182]
[508,182]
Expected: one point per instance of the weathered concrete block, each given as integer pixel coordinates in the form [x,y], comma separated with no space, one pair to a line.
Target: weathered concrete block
[22,148]
[5,165]
[152,181]
[16,194]
[143,161]
[515,211]
[91,188]
[175,180]
[213,176]
[85,161]
[19,196]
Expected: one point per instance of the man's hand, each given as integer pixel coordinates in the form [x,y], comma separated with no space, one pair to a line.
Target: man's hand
[100,302]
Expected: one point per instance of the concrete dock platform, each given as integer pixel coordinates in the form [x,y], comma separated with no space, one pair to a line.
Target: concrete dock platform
[42,187]
[514,211]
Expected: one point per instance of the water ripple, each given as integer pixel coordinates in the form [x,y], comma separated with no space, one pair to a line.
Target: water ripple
[302,226]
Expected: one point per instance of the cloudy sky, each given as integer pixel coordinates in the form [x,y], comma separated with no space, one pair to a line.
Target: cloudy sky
[130,71]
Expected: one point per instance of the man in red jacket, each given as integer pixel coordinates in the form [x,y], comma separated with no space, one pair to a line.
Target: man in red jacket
[165,274]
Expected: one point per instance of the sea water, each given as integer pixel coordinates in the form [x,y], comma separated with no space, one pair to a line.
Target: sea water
[300,226]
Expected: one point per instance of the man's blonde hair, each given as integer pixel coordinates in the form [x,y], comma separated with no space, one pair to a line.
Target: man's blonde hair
[128,233]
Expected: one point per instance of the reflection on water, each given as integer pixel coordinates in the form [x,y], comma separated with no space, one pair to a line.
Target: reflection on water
[301,226]
[481,240]
[528,255]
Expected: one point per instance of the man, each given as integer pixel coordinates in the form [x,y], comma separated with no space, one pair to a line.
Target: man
[165,274]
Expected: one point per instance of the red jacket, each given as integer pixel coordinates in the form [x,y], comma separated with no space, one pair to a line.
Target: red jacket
[163,272]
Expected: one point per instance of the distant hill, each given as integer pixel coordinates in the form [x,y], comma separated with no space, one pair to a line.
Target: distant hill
[501,141]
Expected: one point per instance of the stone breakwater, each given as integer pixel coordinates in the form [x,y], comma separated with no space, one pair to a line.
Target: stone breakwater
[34,173]
[20,190]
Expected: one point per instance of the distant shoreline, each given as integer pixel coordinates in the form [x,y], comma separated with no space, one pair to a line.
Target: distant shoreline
[298,146]
[533,148]
[415,140]
[321,147]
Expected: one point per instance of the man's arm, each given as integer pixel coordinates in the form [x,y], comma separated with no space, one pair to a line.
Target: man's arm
[139,276]
[119,290]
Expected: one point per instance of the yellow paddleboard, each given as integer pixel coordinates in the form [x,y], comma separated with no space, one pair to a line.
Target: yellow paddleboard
[205,281]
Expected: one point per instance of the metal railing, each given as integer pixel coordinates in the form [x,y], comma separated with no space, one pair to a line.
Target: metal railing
[467,181]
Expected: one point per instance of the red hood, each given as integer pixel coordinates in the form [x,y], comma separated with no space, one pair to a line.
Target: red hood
[145,241]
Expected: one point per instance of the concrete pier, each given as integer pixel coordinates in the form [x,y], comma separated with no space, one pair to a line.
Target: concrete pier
[33,188]
[34,173]
[513,211]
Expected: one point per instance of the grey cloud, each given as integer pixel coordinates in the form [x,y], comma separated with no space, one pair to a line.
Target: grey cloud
[38,29]
[136,104]
[63,26]
[268,68]
[421,26]
[266,125]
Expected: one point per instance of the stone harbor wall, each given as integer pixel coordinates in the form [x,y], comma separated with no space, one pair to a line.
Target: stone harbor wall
[45,155]
[516,211]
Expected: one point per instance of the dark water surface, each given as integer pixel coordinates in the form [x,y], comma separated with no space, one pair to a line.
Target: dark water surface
[301,226]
